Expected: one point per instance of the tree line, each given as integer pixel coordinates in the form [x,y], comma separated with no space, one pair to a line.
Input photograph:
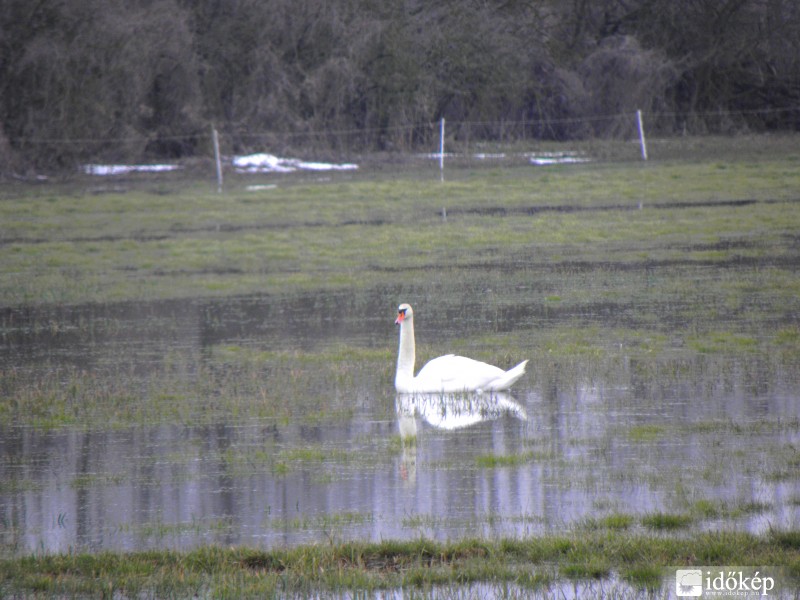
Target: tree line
[146,79]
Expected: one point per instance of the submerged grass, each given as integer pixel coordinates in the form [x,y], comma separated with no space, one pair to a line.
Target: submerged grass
[506,460]
[530,563]
[228,383]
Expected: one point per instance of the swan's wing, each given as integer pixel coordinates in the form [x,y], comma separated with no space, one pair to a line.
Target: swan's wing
[457,373]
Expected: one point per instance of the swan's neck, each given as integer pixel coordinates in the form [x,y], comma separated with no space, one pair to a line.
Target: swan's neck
[405,357]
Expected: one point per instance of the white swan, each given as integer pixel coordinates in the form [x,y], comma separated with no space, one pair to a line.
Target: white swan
[448,373]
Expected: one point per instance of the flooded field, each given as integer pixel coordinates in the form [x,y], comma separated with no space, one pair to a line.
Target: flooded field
[287,430]
[662,394]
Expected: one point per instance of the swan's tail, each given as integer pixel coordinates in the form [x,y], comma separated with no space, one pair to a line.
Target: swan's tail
[509,377]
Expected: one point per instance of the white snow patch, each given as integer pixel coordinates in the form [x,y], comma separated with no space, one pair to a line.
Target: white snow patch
[269,163]
[536,158]
[556,158]
[125,169]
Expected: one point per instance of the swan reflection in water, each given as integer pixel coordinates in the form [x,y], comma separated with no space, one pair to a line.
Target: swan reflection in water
[453,410]
[448,411]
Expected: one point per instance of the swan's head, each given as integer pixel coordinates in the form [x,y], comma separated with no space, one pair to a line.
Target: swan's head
[404,312]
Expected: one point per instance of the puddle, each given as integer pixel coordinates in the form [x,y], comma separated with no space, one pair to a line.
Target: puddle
[714,438]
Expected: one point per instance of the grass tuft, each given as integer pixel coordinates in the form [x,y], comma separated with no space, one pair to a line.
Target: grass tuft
[643,576]
[492,461]
[666,521]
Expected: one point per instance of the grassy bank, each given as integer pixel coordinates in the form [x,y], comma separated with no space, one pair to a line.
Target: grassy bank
[639,561]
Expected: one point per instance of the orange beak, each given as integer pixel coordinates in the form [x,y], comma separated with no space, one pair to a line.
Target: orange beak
[400,316]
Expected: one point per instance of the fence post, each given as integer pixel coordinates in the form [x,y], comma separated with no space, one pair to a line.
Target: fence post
[217,158]
[441,149]
[642,143]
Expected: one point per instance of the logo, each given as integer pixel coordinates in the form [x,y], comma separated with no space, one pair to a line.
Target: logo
[710,582]
[689,583]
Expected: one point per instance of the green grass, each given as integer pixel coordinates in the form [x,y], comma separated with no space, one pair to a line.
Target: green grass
[530,563]
[613,522]
[247,384]
[667,521]
[492,461]
[64,245]
[646,433]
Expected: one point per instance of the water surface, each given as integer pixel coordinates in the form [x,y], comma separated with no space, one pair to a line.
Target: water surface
[712,436]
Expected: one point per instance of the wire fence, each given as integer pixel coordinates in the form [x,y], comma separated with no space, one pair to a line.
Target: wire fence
[461,137]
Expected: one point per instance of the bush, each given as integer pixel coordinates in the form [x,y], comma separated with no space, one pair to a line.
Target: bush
[124,81]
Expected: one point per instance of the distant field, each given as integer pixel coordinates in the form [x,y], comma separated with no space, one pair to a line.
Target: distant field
[156,237]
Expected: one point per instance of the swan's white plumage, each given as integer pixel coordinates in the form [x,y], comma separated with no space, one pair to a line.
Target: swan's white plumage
[448,373]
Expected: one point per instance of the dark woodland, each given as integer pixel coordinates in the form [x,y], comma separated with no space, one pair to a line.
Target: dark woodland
[147,79]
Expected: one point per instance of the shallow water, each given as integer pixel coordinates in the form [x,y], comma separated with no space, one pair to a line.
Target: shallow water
[713,437]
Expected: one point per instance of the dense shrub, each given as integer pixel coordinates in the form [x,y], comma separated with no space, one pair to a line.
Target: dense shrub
[148,78]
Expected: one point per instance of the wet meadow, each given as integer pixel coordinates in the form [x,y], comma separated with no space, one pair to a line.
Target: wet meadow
[197,399]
